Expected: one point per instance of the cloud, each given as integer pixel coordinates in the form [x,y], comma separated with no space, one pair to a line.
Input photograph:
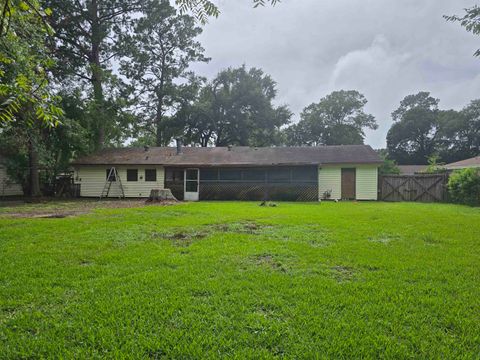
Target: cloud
[385,49]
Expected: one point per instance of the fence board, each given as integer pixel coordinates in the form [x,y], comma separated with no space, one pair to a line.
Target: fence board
[419,187]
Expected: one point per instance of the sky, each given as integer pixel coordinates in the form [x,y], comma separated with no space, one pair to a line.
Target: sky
[386,49]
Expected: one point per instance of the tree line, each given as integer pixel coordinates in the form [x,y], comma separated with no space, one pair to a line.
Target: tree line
[81,75]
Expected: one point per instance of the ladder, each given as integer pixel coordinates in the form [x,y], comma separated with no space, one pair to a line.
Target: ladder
[112,177]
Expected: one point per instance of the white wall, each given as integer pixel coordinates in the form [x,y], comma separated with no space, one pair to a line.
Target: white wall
[7,186]
[92,180]
[330,178]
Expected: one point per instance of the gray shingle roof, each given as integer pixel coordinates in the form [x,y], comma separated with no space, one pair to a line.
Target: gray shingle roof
[237,156]
[467,163]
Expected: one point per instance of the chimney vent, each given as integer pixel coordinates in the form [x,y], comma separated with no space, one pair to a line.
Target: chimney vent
[179,147]
[230,147]
[146,147]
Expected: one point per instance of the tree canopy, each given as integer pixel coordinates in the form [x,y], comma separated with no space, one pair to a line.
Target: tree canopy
[337,119]
[236,108]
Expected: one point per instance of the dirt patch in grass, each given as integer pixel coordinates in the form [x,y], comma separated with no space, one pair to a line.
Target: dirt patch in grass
[429,239]
[182,237]
[56,209]
[270,261]
[343,273]
[248,227]
[383,238]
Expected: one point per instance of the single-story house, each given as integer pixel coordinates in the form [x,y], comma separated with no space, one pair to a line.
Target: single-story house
[234,173]
[8,187]
[464,164]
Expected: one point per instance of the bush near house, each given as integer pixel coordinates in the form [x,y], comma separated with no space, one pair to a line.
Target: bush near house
[464,186]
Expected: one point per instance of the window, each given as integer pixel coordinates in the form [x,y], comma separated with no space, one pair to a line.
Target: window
[111,174]
[132,175]
[150,174]
[174,175]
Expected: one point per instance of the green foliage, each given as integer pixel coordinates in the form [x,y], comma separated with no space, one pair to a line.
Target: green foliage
[464,186]
[338,119]
[236,280]
[434,166]
[421,130]
[25,94]
[156,58]
[236,108]
[202,9]
[470,21]
[389,166]
[412,137]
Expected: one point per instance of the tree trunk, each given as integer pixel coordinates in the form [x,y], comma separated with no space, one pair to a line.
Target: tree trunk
[97,74]
[158,120]
[33,162]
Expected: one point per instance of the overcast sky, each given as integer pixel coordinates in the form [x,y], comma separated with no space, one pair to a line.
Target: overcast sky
[385,49]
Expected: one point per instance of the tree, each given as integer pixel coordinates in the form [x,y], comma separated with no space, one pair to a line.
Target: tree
[236,109]
[157,56]
[25,63]
[412,139]
[421,130]
[470,21]
[27,101]
[88,34]
[421,100]
[202,9]
[338,119]
[389,166]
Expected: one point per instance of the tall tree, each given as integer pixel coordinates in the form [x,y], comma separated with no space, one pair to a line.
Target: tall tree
[338,119]
[459,133]
[27,101]
[236,108]
[157,57]
[412,139]
[88,34]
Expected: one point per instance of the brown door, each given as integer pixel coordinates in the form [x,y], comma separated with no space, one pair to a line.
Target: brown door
[348,184]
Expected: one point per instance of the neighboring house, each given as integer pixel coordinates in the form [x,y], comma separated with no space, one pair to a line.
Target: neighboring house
[8,187]
[468,163]
[412,169]
[235,173]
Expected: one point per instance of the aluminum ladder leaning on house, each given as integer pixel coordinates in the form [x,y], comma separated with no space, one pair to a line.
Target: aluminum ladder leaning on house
[112,177]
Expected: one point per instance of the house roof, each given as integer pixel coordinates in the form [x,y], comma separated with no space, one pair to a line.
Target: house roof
[467,163]
[412,169]
[235,156]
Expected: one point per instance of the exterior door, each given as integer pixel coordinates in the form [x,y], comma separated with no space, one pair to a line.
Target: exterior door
[191,184]
[348,183]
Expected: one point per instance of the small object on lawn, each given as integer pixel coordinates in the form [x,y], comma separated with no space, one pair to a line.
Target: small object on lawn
[161,195]
[267,203]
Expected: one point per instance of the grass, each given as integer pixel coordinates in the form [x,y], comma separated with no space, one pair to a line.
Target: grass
[235,280]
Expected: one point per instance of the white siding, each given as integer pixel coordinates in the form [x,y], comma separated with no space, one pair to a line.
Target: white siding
[367,182]
[92,180]
[7,186]
[330,179]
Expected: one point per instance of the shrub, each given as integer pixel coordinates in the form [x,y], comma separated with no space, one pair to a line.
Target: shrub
[464,186]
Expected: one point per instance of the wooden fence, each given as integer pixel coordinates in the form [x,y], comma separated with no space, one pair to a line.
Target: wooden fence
[422,188]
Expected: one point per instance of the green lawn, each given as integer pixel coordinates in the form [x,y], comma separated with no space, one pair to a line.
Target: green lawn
[235,280]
